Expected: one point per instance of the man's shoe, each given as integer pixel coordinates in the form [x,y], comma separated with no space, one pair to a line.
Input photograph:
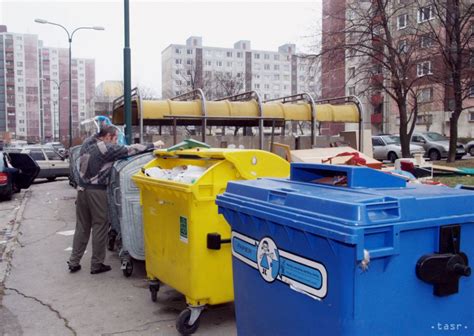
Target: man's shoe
[101,269]
[73,269]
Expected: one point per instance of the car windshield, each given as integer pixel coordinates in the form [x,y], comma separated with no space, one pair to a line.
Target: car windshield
[433,136]
[391,140]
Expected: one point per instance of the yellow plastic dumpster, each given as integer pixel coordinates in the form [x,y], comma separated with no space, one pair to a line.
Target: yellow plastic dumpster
[187,244]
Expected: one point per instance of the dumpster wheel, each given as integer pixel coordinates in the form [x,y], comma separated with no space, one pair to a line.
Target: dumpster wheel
[127,267]
[154,288]
[187,315]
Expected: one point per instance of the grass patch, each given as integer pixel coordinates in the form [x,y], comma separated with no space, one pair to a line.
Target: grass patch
[456,179]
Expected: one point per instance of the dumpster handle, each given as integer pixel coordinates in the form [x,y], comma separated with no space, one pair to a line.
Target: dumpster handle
[115,196]
[214,241]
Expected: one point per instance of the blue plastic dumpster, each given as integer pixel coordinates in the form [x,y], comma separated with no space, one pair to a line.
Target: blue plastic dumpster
[339,250]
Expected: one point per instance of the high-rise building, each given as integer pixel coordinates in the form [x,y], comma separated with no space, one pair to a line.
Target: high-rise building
[34,96]
[341,69]
[223,72]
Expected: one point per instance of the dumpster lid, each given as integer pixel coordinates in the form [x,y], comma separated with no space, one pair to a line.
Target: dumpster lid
[347,196]
[250,163]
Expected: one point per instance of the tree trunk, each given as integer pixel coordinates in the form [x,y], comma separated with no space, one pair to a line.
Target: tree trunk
[453,136]
[405,136]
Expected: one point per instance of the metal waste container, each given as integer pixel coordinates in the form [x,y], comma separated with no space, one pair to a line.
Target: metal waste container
[125,213]
[73,172]
[339,250]
[186,241]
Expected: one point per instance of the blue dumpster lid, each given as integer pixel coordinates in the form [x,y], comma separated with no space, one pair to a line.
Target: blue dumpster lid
[361,196]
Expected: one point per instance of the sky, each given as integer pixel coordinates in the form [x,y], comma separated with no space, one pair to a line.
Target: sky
[156,24]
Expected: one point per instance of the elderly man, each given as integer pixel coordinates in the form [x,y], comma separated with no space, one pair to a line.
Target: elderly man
[96,158]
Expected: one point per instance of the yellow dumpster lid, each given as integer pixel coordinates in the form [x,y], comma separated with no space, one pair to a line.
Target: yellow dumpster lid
[251,163]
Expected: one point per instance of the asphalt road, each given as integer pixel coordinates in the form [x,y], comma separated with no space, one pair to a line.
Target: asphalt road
[38,295]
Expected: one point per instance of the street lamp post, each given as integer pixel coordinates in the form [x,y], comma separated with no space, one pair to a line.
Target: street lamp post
[69,36]
[58,87]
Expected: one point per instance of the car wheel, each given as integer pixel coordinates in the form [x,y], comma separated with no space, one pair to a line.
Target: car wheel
[392,156]
[434,155]
[471,151]
[51,178]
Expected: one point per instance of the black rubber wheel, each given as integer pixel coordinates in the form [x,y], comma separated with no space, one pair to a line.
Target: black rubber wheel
[471,151]
[392,156]
[459,157]
[154,288]
[111,242]
[434,155]
[128,270]
[51,178]
[182,323]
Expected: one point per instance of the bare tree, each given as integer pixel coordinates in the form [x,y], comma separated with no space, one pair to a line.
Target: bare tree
[147,93]
[228,84]
[382,37]
[448,25]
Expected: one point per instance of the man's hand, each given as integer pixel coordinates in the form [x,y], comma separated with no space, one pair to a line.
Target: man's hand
[158,144]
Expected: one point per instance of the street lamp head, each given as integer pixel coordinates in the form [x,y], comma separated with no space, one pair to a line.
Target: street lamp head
[41,21]
[98,28]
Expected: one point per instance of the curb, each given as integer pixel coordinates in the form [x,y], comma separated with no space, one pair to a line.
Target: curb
[13,227]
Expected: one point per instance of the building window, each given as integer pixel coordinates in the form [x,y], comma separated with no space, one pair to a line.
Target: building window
[402,21]
[425,95]
[352,72]
[178,82]
[266,56]
[208,63]
[266,67]
[471,91]
[266,86]
[177,51]
[351,91]
[426,40]
[425,13]
[176,72]
[19,72]
[276,77]
[189,51]
[471,60]
[178,61]
[286,67]
[423,69]
[239,54]
[229,64]
[471,116]
[229,54]
[189,61]
[219,63]
[276,67]
[276,57]
[403,46]
[256,86]
[256,56]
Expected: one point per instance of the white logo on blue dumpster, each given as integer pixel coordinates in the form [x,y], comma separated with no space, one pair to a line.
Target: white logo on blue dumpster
[300,274]
[268,259]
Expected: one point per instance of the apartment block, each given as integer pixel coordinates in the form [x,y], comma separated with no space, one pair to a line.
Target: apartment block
[223,72]
[341,69]
[34,96]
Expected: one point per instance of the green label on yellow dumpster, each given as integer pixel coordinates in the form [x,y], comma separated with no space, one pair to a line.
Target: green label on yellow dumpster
[183,229]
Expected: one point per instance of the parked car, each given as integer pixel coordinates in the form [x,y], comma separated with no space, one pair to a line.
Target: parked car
[387,147]
[470,147]
[436,145]
[52,165]
[17,171]
[58,147]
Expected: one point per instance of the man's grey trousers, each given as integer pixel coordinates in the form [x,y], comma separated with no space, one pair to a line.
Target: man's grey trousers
[91,214]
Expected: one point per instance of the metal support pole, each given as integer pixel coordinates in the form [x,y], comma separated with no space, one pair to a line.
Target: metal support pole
[70,92]
[127,77]
[175,136]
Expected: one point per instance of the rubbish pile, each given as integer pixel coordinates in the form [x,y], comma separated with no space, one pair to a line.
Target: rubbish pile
[184,174]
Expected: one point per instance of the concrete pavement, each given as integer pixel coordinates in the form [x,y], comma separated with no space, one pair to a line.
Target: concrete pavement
[40,296]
